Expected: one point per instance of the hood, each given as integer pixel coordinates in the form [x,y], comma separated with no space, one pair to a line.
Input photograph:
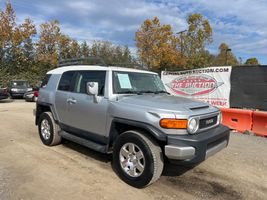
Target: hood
[164,102]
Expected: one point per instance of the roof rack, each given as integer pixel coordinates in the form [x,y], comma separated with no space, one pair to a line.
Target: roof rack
[91,60]
[127,65]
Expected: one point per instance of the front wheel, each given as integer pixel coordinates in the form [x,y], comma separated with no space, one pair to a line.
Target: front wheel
[137,159]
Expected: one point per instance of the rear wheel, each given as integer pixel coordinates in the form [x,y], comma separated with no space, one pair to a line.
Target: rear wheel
[137,159]
[48,129]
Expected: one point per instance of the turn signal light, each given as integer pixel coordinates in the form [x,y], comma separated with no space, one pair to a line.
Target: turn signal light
[173,123]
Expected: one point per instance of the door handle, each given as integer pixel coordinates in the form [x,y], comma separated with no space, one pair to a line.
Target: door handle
[71,101]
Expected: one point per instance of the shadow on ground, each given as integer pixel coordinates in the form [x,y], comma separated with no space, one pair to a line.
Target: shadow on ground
[6,100]
[106,158]
[199,183]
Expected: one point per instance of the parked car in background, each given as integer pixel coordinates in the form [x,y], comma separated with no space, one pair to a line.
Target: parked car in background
[3,92]
[31,96]
[18,88]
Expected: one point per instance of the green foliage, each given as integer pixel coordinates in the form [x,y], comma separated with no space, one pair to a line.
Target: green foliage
[225,56]
[199,35]
[112,54]
[252,61]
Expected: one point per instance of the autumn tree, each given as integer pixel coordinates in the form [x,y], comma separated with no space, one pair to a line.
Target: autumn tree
[252,61]
[225,56]
[48,44]
[199,34]
[15,42]
[64,47]
[157,46]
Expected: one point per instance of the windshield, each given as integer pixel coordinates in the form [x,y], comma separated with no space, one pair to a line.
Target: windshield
[19,84]
[134,82]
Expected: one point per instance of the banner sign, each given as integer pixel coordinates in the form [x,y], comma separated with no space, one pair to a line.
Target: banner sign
[211,85]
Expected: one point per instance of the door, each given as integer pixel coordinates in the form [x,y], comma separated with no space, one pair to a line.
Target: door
[62,95]
[86,117]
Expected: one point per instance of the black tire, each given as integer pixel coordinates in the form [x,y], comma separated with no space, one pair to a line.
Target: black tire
[54,137]
[152,154]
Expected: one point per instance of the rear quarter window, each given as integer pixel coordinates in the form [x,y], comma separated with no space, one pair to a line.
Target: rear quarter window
[45,80]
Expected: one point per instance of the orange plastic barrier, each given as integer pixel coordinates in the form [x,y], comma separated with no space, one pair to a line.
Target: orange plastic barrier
[259,120]
[237,119]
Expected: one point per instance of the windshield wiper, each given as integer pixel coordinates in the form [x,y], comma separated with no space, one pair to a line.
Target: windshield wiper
[161,91]
[142,92]
[154,92]
[145,91]
[127,92]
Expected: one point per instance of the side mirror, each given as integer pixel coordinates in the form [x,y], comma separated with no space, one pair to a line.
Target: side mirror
[92,88]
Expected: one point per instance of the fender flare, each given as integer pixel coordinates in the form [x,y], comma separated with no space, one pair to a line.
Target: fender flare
[39,111]
[155,132]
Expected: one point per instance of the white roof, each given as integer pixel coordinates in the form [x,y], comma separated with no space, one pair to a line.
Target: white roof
[61,70]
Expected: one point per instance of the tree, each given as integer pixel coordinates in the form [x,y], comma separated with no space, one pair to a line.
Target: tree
[126,55]
[157,46]
[112,54]
[85,51]
[15,42]
[48,44]
[225,56]
[75,50]
[252,61]
[7,25]
[199,35]
[64,47]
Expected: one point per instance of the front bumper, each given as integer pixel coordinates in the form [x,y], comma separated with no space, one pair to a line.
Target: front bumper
[193,149]
[17,94]
[3,96]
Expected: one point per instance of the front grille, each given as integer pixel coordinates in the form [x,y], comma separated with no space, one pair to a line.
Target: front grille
[207,122]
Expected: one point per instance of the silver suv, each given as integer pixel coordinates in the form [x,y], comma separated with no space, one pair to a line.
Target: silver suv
[129,113]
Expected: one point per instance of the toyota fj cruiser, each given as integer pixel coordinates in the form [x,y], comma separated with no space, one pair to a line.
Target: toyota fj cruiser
[129,113]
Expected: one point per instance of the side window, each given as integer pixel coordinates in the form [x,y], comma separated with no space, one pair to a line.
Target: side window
[45,80]
[65,81]
[83,77]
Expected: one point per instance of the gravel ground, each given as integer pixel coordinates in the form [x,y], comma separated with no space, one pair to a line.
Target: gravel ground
[30,170]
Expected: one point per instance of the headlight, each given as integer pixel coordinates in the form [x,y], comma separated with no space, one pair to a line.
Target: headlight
[192,125]
[14,89]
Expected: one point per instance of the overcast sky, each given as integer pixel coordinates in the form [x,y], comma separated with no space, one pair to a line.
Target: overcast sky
[242,24]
